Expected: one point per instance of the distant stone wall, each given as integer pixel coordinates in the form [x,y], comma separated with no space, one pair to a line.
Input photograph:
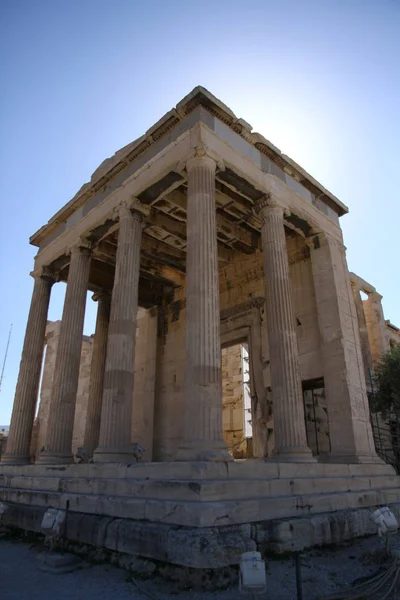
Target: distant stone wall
[377,337]
[40,424]
[82,396]
[393,334]
[3,443]
[233,399]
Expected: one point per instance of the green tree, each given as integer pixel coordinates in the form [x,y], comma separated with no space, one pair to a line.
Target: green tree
[386,398]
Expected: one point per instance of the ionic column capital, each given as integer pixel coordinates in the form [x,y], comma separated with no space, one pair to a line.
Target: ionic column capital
[268,203]
[201,156]
[45,273]
[131,208]
[81,246]
[102,295]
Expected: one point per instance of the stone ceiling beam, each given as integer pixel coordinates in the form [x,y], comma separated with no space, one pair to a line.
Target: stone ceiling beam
[225,226]
[106,252]
[267,182]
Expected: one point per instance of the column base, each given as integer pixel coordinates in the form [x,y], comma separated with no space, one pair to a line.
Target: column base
[294,455]
[199,452]
[55,458]
[123,456]
[10,459]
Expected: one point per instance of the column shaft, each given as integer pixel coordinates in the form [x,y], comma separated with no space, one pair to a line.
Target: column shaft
[288,407]
[348,411]
[92,426]
[203,438]
[116,415]
[26,394]
[376,326]
[58,440]
[364,340]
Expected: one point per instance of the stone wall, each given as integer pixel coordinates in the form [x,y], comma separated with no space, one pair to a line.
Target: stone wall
[3,444]
[377,334]
[233,399]
[40,425]
[377,337]
[169,394]
[393,333]
[143,402]
[376,326]
[82,397]
[241,284]
[144,380]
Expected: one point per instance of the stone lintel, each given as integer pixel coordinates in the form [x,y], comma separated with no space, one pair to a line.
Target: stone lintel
[131,188]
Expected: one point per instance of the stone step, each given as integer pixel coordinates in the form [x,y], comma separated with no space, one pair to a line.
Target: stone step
[203,513]
[238,469]
[202,490]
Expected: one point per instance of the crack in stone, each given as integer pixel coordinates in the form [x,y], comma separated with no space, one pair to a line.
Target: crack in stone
[169,514]
[221,517]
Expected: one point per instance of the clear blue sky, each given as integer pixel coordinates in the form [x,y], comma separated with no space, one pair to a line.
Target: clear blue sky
[81,78]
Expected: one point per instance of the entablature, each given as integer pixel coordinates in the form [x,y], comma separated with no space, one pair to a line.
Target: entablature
[199,106]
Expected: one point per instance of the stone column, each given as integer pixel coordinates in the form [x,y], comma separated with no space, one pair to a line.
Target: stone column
[377,335]
[288,406]
[58,440]
[116,416]
[92,426]
[345,388]
[203,438]
[19,438]
[363,331]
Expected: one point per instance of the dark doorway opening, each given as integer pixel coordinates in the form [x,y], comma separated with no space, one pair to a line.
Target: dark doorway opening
[316,416]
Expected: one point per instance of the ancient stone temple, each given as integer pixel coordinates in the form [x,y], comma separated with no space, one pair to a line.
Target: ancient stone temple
[197,236]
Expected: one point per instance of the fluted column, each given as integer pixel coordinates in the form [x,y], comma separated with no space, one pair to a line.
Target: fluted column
[92,426]
[288,407]
[58,440]
[26,394]
[203,439]
[116,415]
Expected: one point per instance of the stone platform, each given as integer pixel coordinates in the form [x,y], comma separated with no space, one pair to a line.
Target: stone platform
[201,515]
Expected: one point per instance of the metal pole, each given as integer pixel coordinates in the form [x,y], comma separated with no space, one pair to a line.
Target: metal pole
[64,533]
[5,357]
[299,584]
